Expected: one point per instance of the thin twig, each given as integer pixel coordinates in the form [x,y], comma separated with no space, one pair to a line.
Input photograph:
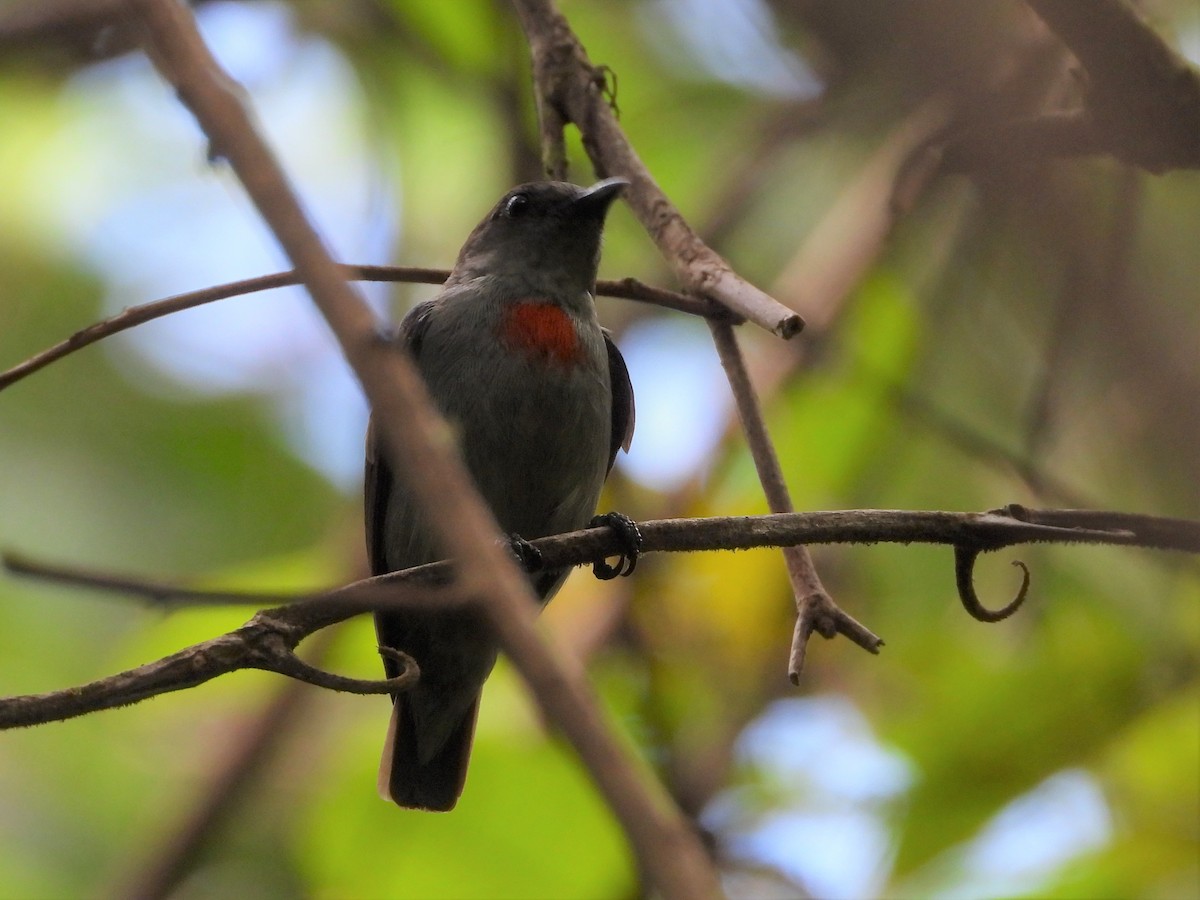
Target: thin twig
[155,593]
[1157,532]
[265,642]
[626,288]
[815,609]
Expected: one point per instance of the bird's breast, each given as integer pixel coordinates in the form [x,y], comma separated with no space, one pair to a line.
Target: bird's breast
[542,330]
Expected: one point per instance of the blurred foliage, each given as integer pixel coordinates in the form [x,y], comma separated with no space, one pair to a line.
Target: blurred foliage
[1027,333]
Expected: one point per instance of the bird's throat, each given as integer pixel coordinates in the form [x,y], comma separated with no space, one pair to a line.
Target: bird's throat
[542,330]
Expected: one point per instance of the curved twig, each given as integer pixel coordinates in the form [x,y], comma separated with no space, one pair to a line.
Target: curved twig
[964,577]
[130,317]
[266,642]
[293,666]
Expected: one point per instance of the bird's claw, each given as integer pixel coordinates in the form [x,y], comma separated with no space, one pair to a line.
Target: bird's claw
[528,556]
[631,539]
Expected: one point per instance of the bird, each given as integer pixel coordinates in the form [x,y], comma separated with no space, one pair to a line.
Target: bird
[540,400]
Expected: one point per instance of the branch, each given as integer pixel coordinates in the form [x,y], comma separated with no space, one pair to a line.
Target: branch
[988,531]
[268,639]
[1142,102]
[82,32]
[1155,532]
[266,642]
[162,594]
[815,609]
[1143,98]
[625,288]
[570,89]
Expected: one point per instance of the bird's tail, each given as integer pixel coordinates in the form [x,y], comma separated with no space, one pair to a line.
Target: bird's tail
[435,784]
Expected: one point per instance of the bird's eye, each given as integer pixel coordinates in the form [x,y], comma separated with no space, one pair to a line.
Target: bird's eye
[517,206]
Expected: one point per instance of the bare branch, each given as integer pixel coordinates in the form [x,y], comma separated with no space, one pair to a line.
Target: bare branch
[1142,103]
[81,32]
[987,531]
[1155,532]
[1143,98]
[267,641]
[155,593]
[571,89]
[815,609]
[626,288]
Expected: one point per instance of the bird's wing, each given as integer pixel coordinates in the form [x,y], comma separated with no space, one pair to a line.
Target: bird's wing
[377,481]
[622,401]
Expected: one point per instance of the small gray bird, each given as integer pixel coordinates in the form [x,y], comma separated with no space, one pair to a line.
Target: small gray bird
[516,360]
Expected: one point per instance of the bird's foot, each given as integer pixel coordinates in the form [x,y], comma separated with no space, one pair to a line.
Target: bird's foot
[528,556]
[631,545]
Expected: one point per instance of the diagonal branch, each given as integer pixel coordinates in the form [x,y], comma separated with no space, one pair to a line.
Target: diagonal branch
[815,609]
[422,448]
[1141,104]
[570,89]
[1143,98]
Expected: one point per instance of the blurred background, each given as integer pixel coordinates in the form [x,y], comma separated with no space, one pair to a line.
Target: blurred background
[1027,332]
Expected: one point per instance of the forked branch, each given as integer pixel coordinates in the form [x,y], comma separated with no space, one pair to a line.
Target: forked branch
[268,639]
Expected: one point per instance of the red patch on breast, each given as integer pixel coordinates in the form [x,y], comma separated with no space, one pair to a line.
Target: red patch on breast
[540,329]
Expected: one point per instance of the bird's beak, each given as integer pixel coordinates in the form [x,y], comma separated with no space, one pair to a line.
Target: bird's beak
[599,196]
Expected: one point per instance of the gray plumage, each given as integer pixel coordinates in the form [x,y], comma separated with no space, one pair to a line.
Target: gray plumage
[516,360]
